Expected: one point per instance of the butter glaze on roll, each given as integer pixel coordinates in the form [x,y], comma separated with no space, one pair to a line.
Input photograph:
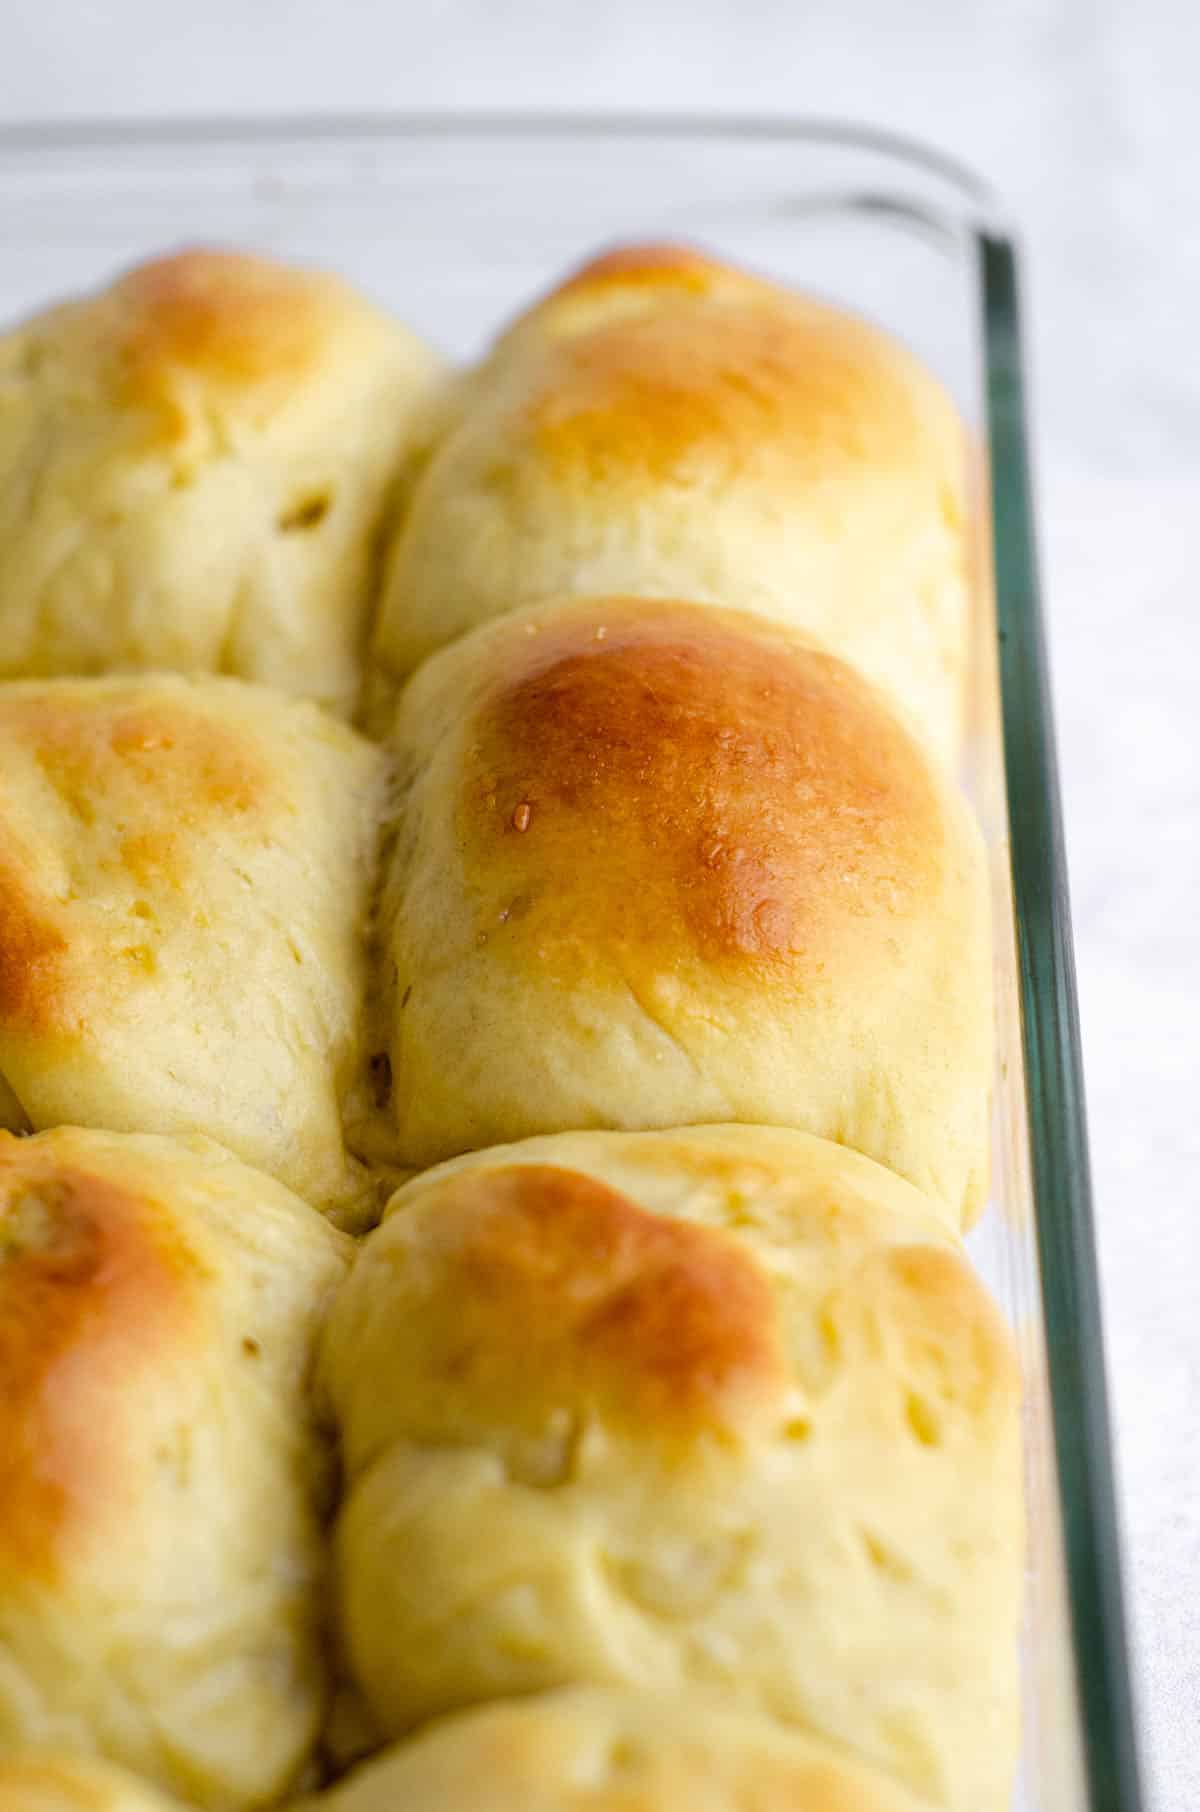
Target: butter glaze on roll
[184,878]
[721,1408]
[609,1751]
[657,864]
[194,465]
[161,1471]
[667,425]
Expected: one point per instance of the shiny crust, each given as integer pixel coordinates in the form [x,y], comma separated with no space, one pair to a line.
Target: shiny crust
[680,865]
[731,769]
[632,280]
[184,880]
[241,323]
[608,1751]
[93,1289]
[194,465]
[668,426]
[649,263]
[161,1470]
[661,1327]
[811,1504]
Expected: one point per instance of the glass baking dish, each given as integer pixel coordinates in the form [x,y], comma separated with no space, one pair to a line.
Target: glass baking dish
[455,223]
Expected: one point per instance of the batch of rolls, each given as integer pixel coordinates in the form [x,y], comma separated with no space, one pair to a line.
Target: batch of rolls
[495,1049]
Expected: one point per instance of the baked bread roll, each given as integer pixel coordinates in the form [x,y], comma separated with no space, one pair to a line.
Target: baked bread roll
[657,863]
[184,878]
[39,1782]
[722,1408]
[603,1750]
[193,471]
[161,1472]
[667,425]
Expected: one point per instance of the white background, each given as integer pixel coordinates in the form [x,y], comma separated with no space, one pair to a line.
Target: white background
[1088,118]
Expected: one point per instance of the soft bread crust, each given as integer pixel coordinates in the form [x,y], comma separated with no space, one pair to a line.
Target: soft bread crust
[161,1471]
[719,1408]
[46,1782]
[604,1750]
[668,426]
[194,465]
[185,869]
[656,863]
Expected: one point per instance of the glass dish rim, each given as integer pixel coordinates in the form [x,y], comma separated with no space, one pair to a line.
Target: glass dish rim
[479,121]
[970,211]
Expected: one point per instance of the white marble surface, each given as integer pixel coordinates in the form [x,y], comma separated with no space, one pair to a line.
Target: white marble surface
[1084,114]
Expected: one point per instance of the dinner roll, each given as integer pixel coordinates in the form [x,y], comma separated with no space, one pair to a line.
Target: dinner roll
[184,876]
[193,471]
[160,1469]
[657,863]
[603,1750]
[40,1782]
[723,1407]
[666,425]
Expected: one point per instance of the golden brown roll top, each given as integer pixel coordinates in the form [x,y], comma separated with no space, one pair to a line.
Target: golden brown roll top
[667,426]
[655,864]
[604,1750]
[160,1468]
[184,878]
[42,1781]
[722,1408]
[193,470]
